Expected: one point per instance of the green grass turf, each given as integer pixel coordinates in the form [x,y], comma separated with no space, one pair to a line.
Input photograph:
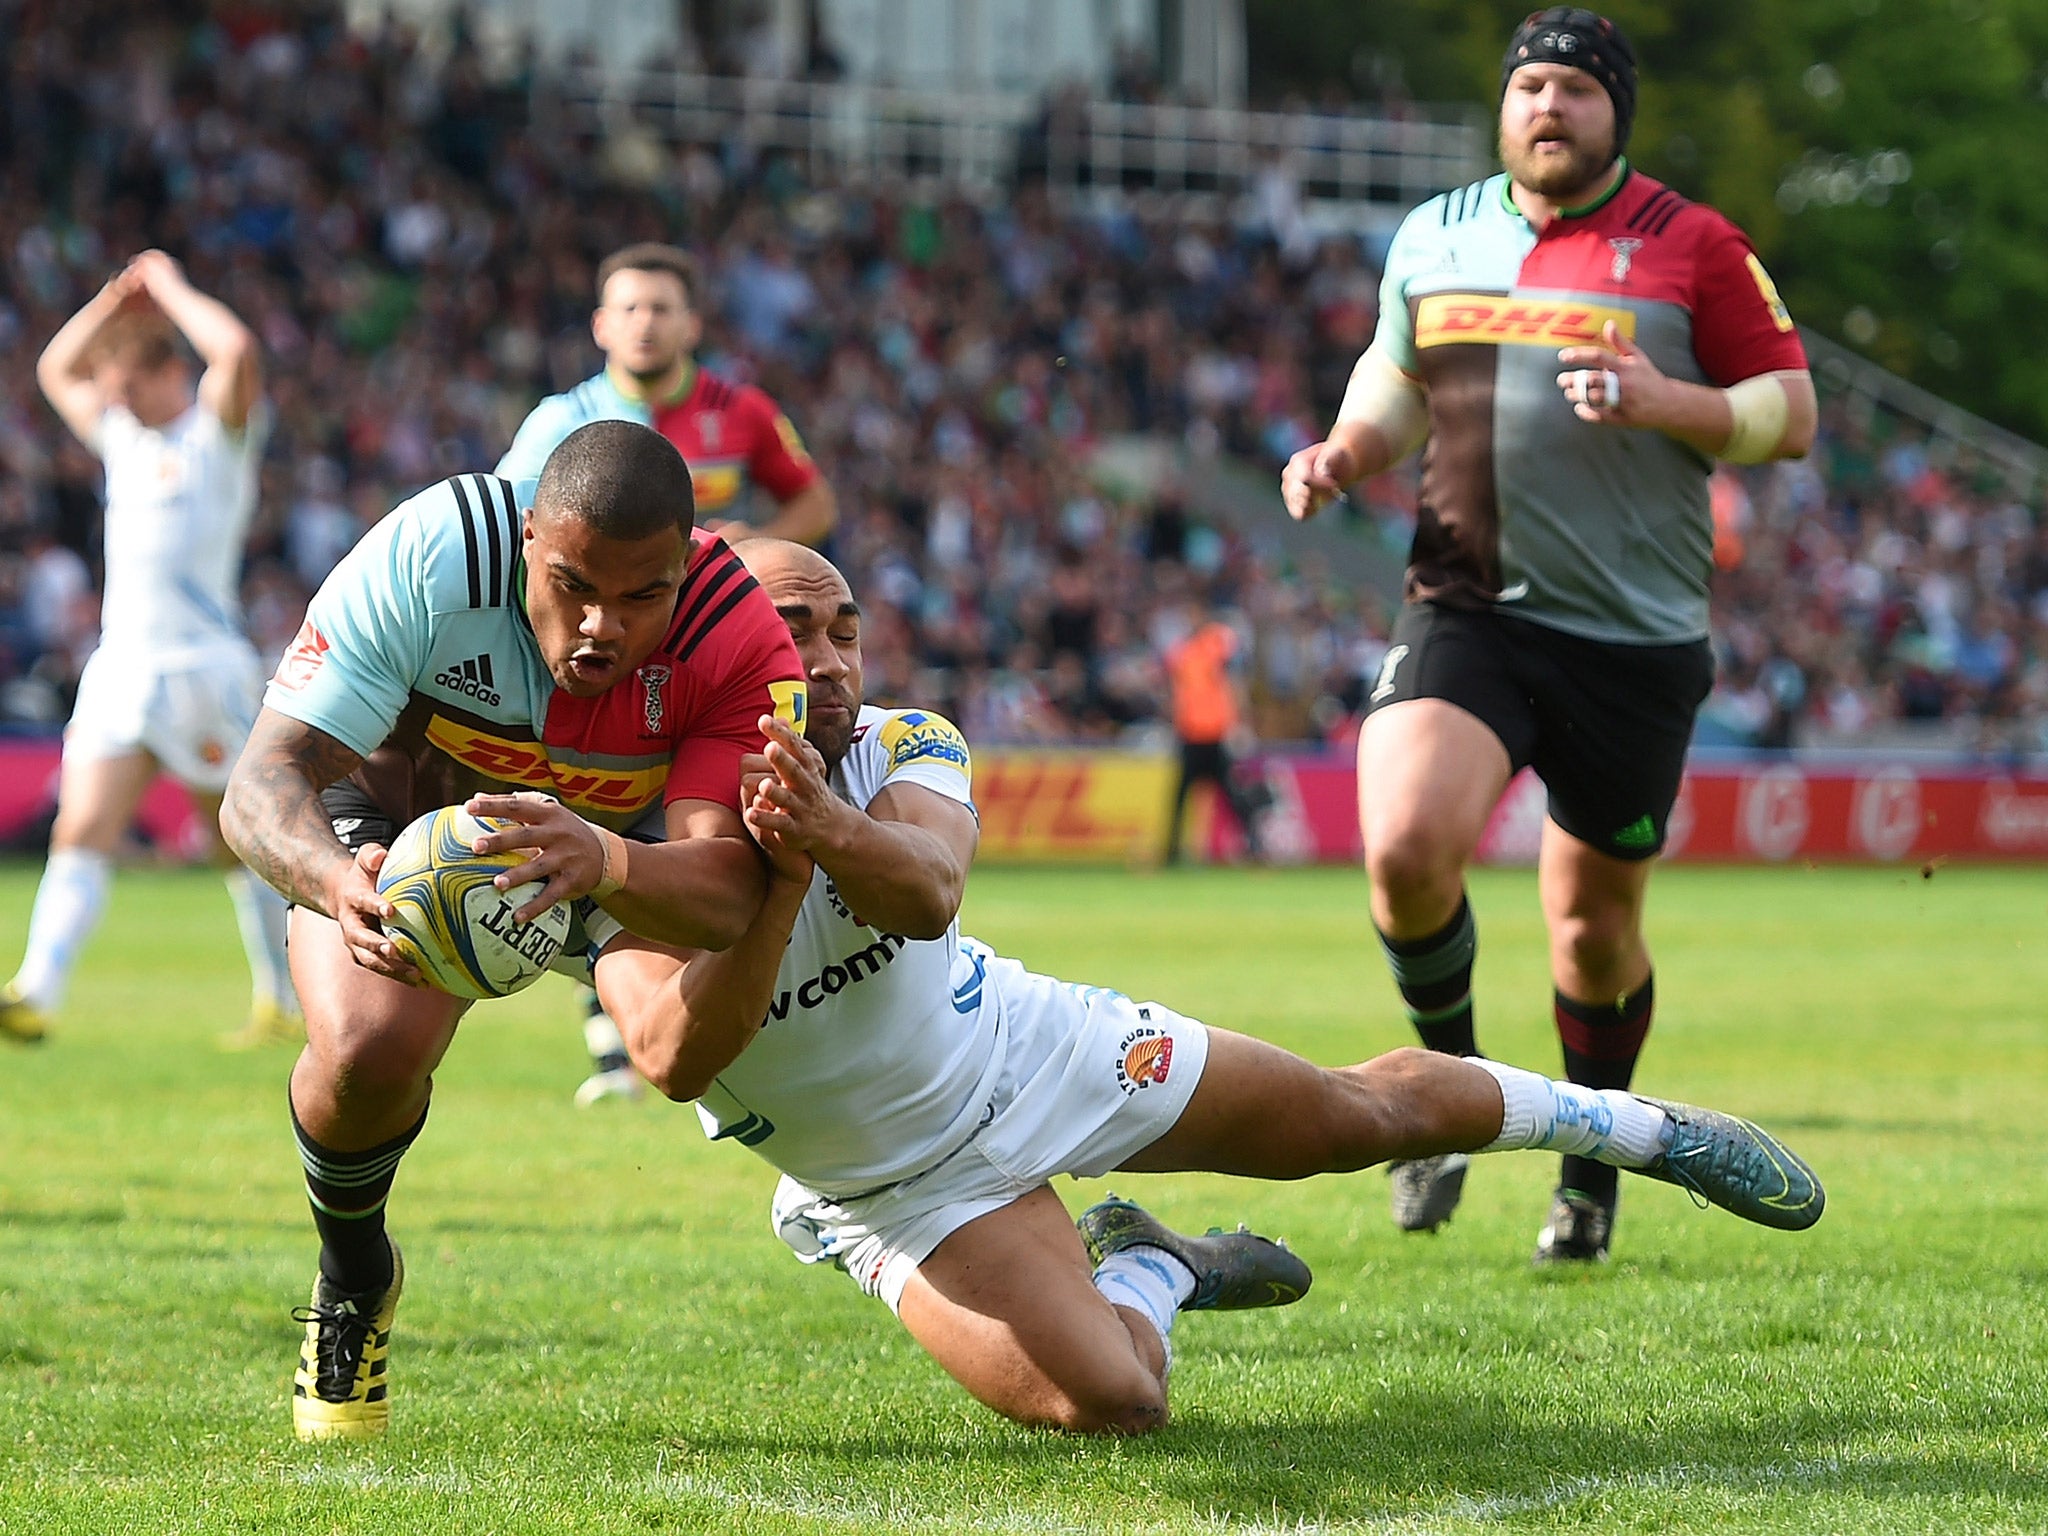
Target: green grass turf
[600,1334]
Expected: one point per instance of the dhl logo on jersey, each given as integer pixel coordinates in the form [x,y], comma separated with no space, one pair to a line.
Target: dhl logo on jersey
[715,485]
[1500,320]
[527,765]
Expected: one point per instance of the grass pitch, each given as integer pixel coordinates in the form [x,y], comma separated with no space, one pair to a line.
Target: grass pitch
[600,1334]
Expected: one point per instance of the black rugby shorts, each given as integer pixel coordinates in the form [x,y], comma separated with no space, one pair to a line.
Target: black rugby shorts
[1605,726]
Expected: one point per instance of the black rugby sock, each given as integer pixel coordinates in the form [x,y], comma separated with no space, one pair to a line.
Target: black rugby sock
[1601,1044]
[1434,975]
[347,1191]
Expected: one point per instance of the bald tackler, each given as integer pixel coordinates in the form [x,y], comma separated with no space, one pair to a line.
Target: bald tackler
[1569,34]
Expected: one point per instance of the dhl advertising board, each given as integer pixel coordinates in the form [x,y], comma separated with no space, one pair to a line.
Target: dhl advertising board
[1037,804]
[1046,804]
[1085,805]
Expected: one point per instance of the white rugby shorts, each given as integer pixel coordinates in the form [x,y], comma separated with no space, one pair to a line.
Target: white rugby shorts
[1089,1079]
[193,716]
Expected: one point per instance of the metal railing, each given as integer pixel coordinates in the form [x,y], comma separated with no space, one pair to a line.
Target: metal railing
[887,134]
[1837,368]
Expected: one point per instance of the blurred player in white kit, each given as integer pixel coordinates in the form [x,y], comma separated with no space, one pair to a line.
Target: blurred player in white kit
[175,684]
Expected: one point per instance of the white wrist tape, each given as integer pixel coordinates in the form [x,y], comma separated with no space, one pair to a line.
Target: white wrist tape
[615,861]
[1761,409]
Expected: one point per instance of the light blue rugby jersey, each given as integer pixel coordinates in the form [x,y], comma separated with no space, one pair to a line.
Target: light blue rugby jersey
[595,399]
[425,604]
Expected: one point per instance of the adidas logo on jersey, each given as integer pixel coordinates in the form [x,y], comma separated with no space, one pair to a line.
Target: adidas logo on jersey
[472,680]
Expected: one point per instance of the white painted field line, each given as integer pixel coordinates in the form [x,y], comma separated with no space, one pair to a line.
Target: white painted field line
[1678,1475]
[840,1507]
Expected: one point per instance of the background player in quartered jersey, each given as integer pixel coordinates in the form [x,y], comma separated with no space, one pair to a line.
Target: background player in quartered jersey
[482,643]
[918,1092]
[1557,590]
[732,436]
[174,683]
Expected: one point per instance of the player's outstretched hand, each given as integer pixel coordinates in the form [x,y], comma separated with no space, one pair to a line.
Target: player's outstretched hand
[361,912]
[567,855]
[1614,384]
[794,800]
[1315,476]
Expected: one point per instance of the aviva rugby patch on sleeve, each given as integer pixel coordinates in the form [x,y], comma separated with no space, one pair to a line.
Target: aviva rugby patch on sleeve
[919,736]
[792,703]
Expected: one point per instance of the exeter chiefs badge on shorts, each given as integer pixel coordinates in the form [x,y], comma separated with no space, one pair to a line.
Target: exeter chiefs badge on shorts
[1144,1057]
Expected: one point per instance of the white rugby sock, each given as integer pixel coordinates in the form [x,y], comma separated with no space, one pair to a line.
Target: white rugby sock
[602,1039]
[69,901]
[261,914]
[1151,1282]
[1608,1125]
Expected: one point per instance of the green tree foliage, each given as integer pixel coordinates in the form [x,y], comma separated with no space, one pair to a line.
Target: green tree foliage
[1888,157]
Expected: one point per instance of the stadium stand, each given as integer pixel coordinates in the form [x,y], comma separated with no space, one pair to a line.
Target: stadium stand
[417,255]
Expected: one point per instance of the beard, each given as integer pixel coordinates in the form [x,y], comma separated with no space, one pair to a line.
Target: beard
[832,738]
[646,378]
[1579,171]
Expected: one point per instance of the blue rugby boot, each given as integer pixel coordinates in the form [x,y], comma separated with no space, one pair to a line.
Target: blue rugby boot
[1233,1270]
[1741,1167]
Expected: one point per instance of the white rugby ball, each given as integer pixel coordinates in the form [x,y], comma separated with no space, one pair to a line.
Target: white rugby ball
[451,922]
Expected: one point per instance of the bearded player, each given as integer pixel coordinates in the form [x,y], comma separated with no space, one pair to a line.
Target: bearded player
[918,1092]
[481,643]
[733,437]
[1577,343]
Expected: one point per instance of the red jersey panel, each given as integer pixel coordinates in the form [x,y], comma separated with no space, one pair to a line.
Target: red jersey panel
[677,729]
[1653,246]
[730,434]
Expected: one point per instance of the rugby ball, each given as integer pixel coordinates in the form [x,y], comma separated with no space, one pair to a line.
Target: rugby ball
[451,922]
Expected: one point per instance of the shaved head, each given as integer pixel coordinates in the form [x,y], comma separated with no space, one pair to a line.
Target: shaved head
[777,562]
[824,621]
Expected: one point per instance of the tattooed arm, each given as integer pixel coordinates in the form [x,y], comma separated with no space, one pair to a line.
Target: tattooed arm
[272,817]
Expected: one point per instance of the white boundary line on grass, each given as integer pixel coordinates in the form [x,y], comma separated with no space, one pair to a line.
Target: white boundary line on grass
[1482,1511]
[839,1507]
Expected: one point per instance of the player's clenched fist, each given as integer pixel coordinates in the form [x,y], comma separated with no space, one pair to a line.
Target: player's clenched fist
[1316,475]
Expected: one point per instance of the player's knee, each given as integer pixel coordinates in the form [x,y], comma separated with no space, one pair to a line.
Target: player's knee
[1592,940]
[84,832]
[1134,1407]
[1413,862]
[369,1066]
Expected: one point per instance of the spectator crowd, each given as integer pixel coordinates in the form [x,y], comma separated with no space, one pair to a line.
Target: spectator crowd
[417,256]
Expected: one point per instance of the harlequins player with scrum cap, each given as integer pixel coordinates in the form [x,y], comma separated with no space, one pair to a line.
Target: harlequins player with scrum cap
[1577,343]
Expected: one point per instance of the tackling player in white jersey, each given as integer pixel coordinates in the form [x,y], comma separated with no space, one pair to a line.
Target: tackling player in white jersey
[919,1092]
[175,684]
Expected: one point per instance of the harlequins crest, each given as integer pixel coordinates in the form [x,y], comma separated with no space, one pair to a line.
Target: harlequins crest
[652,680]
